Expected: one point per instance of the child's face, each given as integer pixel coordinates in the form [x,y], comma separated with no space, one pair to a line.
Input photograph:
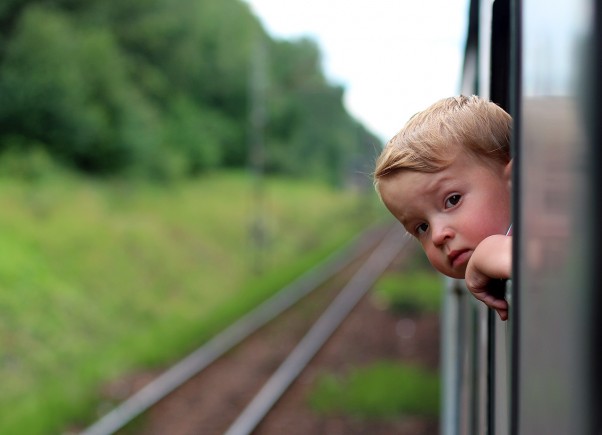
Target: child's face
[451,211]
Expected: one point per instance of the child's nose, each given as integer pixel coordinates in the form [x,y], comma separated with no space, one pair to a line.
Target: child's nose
[441,233]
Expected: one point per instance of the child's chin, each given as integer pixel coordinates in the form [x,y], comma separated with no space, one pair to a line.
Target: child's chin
[457,274]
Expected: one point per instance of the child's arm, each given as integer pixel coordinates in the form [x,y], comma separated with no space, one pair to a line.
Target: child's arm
[490,261]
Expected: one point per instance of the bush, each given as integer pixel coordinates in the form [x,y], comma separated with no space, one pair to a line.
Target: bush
[383,390]
[25,161]
[412,291]
[67,87]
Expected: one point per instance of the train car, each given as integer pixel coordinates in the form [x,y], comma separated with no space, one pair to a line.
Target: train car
[537,373]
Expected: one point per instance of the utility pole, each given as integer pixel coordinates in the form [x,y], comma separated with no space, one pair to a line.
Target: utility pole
[257,117]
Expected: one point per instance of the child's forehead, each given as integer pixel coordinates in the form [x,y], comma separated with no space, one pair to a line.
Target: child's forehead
[407,191]
[412,196]
[421,184]
[408,186]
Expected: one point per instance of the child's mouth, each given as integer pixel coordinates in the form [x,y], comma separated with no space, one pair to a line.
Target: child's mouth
[459,257]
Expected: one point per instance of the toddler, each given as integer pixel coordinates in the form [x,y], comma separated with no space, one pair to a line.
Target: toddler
[446,177]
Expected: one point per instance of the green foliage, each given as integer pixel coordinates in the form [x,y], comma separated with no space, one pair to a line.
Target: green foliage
[160,89]
[195,135]
[311,133]
[30,162]
[411,291]
[385,390]
[66,87]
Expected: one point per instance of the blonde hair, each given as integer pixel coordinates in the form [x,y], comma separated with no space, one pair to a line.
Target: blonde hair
[430,139]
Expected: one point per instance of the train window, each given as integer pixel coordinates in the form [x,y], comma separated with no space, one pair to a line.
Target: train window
[540,373]
[500,54]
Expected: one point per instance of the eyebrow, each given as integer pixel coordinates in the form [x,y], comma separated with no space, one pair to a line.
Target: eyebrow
[405,220]
[438,184]
[432,188]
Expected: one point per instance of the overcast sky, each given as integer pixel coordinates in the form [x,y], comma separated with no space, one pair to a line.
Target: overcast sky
[394,57]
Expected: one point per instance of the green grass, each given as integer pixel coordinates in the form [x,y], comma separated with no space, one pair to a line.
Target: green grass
[101,278]
[385,390]
[413,290]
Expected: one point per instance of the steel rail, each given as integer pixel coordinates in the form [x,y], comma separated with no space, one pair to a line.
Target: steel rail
[198,360]
[311,343]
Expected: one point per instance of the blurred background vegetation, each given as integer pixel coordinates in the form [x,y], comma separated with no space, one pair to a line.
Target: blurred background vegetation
[127,207]
[161,89]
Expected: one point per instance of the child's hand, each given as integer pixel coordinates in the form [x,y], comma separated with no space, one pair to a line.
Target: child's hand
[490,263]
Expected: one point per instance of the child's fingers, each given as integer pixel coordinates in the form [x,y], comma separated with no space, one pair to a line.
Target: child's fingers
[503,314]
[499,305]
[492,301]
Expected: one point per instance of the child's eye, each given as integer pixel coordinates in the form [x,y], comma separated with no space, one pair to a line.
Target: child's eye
[422,229]
[453,200]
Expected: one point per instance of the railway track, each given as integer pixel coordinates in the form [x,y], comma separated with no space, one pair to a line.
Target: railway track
[250,382]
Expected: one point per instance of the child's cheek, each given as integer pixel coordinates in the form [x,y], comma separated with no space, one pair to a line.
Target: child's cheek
[434,257]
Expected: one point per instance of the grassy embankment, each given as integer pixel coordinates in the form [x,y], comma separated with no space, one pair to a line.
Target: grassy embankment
[101,278]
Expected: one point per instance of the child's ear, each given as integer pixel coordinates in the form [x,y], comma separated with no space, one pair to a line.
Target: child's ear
[508,173]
